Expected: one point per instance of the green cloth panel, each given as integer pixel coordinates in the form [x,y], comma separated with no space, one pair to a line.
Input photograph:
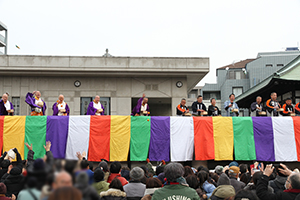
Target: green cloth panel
[244,146]
[35,134]
[140,138]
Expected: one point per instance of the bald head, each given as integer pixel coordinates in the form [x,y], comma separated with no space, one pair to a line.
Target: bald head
[4,97]
[38,94]
[294,181]
[62,179]
[97,99]
[61,97]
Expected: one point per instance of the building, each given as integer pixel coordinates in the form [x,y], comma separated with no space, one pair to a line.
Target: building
[239,77]
[120,81]
[3,38]
[285,82]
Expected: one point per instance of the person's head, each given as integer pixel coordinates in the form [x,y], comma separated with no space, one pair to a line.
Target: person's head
[258,99]
[31,182]
[256,176]
[232,97]
[82,178]
[192,181]
[293,181]
[38,94]
[245,194]
[84,164]
[214,176]
[188,171]
[62,179]
[183,102]
[103,165]
[153,183]
[146,171]
[243,168]
[159,169]
[233,163]
[273,96]
[213,101]
[3,188]
[137,173]
[219,169]
[145,100]
[223,180]
[125,173]
[97,99]
[38,164]
[204,174]
[234,171]
[277,170]
[288,101]
[65,193]
[115,167]
[5,97]
[70,166]
[116,184]
[199,99]
[61,98]
[202,168]
[173,171]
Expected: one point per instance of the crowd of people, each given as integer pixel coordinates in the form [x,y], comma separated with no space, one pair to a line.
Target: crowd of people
[50,179]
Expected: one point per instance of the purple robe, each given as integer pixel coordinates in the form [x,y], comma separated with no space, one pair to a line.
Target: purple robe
[137,108]
[55,109]
[30,100]
[3,110]
[92,111]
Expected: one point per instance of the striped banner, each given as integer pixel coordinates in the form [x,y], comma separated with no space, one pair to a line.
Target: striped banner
[115,138]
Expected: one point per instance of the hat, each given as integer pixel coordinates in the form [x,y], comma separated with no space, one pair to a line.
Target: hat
[233,163]
[103,165]
[223,180]
[11,154]
[219,169]
[98,175]
[234,170]
[38,164]
[224,191]
[2,188]
[136,173]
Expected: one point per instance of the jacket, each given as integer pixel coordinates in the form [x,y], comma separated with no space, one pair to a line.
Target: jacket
[14,181]
[196,105]
[101,186]
[209,188]
[135,189]
[88,192]
[270,106]
[238,185]
[262,191]
[180,109]
[278,183]
[286,109]
[180,192]
[40,175]
[113,194]
[212,111]
[114,175]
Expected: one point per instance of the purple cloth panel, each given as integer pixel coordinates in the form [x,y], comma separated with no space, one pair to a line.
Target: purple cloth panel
[263,137]
[160,139]
[92,111]
[57,133]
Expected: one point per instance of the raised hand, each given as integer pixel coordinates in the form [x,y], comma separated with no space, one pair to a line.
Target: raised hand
[48,146]
[28,147]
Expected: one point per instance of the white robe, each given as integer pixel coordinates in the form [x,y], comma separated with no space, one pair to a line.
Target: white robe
[97,106]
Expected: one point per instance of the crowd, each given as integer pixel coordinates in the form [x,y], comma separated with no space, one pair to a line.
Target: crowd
[47,178]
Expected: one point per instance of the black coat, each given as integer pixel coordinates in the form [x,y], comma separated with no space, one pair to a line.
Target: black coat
[262,191]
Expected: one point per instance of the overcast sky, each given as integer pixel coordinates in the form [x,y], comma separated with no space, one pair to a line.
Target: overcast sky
[226,31]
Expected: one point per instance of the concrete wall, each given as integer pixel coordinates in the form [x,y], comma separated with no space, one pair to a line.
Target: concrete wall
[120,90]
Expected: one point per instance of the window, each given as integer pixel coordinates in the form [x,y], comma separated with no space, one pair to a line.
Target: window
[237,91]
[193,94]
[209,95]
[16,104]
[237,74]
[269,65]
[279,65]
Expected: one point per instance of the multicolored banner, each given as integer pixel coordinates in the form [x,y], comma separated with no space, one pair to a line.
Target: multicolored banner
[119,138]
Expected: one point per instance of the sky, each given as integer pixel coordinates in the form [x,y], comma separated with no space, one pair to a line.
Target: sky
[225,31]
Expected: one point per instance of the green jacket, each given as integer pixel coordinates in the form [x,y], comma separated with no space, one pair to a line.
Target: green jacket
[175,192]
[101,186]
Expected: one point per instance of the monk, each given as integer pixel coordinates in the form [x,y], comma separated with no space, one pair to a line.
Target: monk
[60,107]
[37,104]
[95,107]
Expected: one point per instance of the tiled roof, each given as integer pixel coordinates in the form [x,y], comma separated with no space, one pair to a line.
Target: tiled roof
[238,65]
